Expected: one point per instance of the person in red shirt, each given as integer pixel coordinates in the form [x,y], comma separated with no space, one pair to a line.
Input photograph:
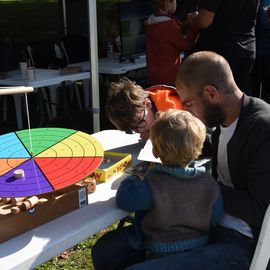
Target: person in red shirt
[166,38]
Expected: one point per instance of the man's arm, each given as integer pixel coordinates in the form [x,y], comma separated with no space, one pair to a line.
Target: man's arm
[250,172]
[201,20]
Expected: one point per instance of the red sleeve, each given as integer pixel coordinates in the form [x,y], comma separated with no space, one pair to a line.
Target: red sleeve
[180,41]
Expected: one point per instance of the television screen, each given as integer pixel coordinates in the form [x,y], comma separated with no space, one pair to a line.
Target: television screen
[132,29]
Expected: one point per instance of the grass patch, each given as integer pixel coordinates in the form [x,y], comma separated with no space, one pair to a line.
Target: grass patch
[76,258]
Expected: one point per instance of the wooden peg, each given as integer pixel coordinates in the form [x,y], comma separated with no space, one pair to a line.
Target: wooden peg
[17,200]
[6,200]
[15,210]
[18,173]
[29,203]
[42,200]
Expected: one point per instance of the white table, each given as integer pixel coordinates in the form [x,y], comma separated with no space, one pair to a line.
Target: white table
[113,67]
[37,246]
[106,66]
[43,78]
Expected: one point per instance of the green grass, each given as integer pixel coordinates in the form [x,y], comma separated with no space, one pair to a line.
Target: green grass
[76,258]
[79,257]
[28,20]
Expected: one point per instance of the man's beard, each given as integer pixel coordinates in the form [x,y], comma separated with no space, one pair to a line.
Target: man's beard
[213,115]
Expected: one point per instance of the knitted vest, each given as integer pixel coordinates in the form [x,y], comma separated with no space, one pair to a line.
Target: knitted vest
[182,207]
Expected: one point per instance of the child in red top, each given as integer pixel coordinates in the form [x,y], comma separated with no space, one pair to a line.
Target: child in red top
[165,39]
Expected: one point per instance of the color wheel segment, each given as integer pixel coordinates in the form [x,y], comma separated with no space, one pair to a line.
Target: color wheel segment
[55,159]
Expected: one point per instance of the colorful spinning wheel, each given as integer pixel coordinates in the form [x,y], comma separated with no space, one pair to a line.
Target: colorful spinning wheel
[51,158]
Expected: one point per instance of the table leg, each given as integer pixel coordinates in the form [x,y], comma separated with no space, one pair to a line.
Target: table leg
[5,109]
[77,93]
[18,109]
[53,97]
[47,103]
[86,92]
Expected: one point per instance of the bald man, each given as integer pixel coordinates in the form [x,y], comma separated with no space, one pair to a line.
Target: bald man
[240,150]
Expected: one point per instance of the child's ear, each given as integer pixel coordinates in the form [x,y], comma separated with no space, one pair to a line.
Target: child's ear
[148,103]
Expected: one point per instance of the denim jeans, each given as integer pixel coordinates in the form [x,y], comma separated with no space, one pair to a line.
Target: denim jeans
[113,251]
[227,250]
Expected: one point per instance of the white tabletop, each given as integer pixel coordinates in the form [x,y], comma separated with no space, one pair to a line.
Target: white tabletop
[43,77]
[113,67]
[32,248]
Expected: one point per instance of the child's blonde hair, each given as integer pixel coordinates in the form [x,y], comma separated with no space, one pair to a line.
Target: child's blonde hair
[177,137]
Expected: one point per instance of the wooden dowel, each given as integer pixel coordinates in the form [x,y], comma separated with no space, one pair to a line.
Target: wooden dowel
[15,90]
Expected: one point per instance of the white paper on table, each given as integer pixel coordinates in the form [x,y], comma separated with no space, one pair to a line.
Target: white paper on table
[113,138]
[146,153]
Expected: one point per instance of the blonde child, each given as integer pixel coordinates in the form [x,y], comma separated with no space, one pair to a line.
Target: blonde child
[175,205]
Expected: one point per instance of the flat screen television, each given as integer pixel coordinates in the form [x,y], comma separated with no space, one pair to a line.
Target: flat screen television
[132,16]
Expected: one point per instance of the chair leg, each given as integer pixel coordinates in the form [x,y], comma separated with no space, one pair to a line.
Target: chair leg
[122,222]
[77,92]
[86,91]
[53,98]
[47,103]
[74,89]
[18,107]
[5,109]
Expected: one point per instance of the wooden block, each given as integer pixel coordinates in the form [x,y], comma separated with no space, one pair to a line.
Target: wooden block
[90,183]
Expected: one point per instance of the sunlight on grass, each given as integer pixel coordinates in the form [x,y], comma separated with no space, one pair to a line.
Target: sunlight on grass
[78,257]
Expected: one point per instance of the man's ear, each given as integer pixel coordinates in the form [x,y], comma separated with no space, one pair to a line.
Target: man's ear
[211,93]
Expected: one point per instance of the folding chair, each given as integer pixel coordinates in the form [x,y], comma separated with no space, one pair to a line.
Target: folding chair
[261,256]
[75,49]
[45,54]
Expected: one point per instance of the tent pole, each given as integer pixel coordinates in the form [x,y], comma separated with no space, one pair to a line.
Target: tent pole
[92,16]
[64,8]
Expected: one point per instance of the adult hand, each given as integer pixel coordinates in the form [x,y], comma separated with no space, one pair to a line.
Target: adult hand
[190,18]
